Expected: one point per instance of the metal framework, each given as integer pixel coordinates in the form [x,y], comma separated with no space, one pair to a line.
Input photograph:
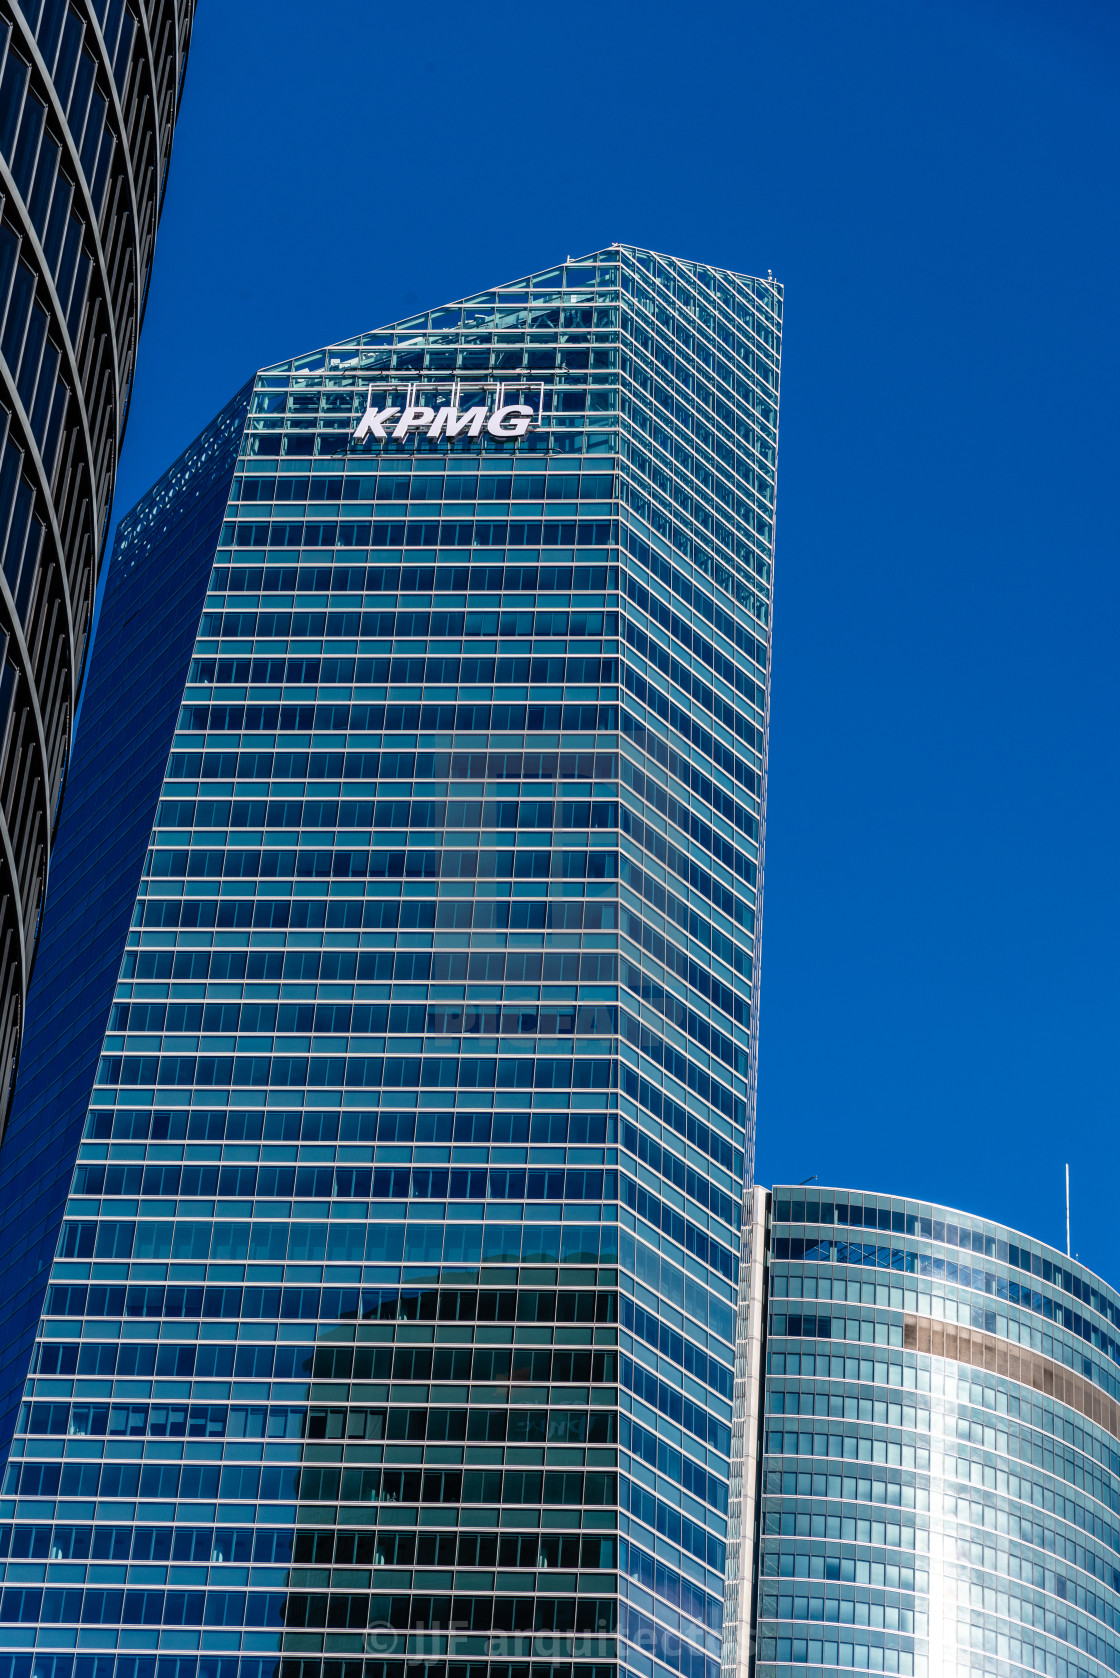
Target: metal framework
[89,93]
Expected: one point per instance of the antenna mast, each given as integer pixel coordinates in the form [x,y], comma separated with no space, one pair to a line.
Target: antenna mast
[1067,1208]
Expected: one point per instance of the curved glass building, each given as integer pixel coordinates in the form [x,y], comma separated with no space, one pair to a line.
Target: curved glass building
[382,1147]
[928,1416]
[89,91]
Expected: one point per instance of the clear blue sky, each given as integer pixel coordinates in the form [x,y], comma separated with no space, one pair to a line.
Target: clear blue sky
[936,184]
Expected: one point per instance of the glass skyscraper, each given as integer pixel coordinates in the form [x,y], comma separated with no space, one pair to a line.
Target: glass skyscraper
[89,94]
[931,1450]
[154,592]
[400,1102]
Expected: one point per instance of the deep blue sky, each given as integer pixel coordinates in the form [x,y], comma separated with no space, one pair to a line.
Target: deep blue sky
[937,187]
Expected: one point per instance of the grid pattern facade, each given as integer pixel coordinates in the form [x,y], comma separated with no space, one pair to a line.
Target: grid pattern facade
[391,1321]
[939,1488]
[158,575]
[89,91]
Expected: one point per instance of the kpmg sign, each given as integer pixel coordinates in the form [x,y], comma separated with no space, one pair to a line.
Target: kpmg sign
[387,421]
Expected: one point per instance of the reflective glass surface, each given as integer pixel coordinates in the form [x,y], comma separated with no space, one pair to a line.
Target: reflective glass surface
[89,94]
[940,1468]
[157,580]
[391,1320]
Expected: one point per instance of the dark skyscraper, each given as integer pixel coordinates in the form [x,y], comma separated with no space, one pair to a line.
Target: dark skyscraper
[89,92]
[387,1106]
[157,580]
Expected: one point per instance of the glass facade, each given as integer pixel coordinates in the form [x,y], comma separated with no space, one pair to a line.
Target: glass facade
[938,1447]
[390,1324]
[157,580]
[89,92]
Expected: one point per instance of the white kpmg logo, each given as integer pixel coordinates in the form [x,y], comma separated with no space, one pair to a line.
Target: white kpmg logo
[395,422]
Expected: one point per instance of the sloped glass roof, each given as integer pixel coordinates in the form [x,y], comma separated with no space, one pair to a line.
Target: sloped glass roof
[487,310]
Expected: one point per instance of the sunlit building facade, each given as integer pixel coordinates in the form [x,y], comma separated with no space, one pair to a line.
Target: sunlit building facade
[405,1136]
[928,1411]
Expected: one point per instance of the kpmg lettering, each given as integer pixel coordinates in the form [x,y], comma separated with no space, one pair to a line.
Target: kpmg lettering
[395,421]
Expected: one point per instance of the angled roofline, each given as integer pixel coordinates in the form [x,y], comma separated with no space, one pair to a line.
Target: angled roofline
[522,279]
